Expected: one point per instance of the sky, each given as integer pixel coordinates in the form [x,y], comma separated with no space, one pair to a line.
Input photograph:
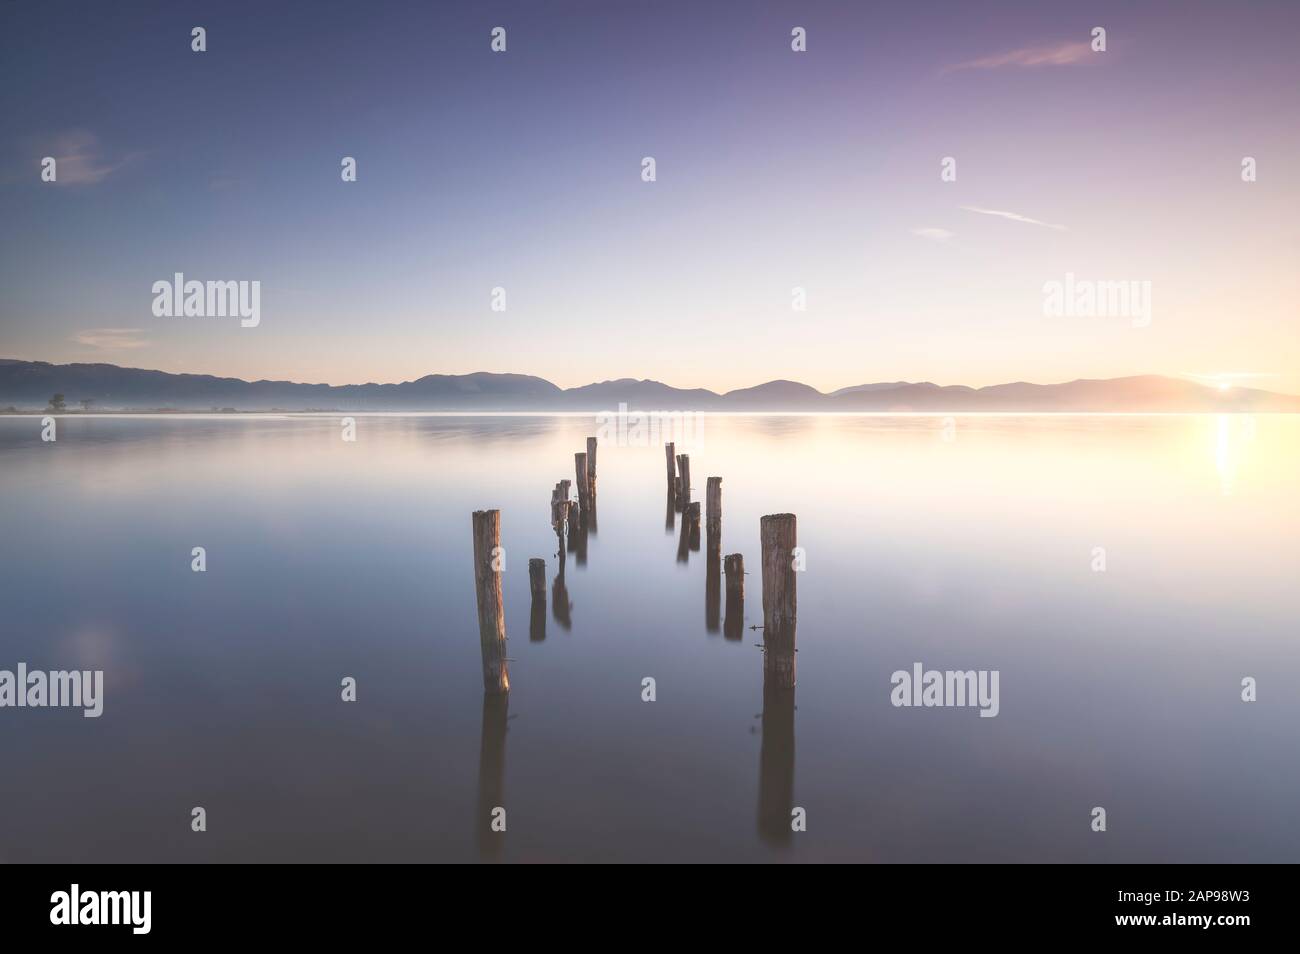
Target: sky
[775,170]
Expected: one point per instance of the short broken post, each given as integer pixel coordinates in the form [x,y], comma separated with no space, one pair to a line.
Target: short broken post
[777,535]
[487,588]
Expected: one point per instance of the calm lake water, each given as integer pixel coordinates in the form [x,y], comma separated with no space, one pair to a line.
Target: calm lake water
[327,559]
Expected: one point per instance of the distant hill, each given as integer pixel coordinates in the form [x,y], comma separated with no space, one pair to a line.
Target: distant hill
[28,385]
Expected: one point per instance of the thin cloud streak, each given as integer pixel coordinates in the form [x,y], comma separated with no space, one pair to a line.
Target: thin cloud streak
[1014,217]
[1056,54]
[112,339]
[933,234]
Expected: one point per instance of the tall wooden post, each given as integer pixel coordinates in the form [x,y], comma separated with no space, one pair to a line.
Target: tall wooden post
[591,464]
[684,486]
[777,535]
[487,588]
[670,452]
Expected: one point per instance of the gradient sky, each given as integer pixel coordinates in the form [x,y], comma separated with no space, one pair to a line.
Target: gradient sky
[775,169]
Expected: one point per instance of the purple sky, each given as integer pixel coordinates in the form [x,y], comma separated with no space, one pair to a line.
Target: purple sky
[775,170]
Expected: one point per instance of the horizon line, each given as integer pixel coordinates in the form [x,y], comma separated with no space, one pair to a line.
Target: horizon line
[1182,376]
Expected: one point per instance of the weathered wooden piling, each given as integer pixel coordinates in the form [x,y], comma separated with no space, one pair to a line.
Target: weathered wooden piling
[580,480]
[713,517]
[684,487]
[734,620]
[670,451]
[591,465]
[692,515]
[778,539]
[487,587]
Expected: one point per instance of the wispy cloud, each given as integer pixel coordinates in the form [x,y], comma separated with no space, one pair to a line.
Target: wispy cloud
[1068,53]
[112,339]
[79,159]
[934,235]
[1014,217]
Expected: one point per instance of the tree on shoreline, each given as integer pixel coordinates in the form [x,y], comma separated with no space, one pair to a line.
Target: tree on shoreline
[58,403]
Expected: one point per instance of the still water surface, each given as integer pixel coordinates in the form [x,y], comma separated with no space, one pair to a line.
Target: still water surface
[328,559]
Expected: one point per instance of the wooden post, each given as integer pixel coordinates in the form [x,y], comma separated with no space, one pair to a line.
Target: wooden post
[734,567]
[777,535]
[537,578]
[713,517]
[487,587]
[670,452]
[693,518]
[684,488]
[580,479]
[734,620]
[591,463]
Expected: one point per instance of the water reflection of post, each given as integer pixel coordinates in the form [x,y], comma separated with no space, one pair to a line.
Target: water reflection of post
[684,539]
[735,618]
[561,608]
[537,586]
[712,593]
[670,520]
[776,766]
[577,534]
[491,773]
